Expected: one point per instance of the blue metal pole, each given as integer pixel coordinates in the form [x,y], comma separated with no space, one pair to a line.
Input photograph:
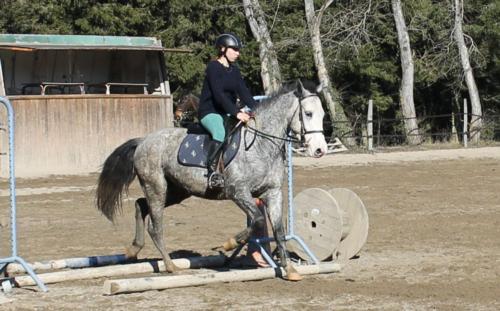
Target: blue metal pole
[12,179]
[13,214]
[291,218]
[290,189]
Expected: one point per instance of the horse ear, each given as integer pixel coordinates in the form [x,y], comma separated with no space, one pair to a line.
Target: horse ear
[299,92]
[319,88]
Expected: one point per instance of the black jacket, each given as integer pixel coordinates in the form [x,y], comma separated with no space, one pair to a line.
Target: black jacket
[221,89]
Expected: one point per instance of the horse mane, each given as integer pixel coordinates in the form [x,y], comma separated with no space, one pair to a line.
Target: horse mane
[287,88]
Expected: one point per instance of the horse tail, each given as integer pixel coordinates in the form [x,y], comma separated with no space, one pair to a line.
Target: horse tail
[116,176]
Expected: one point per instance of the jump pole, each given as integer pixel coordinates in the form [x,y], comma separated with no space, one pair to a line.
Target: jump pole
[72,263]
[112,287]
[119,270]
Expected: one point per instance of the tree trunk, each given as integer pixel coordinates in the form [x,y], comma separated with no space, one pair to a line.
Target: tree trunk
[337,115]
[406,90]
[2,84]
[476,118]
[270,70]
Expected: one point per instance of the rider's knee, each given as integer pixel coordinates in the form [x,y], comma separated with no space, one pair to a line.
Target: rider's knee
[219,135]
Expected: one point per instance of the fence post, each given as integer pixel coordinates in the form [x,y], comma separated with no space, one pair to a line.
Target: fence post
[369,125]
[466,121]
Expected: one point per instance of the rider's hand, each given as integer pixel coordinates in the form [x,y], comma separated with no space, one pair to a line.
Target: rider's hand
[243,117]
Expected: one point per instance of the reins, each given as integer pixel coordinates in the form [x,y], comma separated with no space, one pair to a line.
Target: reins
[266,135]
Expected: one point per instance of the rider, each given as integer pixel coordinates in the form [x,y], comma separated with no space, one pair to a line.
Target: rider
[222,87]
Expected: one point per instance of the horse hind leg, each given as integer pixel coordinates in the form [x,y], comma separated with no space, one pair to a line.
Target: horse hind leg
[159,194]
[155,230]
[155,188]
[141,212]
[155,221]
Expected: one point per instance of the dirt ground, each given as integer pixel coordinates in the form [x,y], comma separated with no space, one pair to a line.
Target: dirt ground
[433,242]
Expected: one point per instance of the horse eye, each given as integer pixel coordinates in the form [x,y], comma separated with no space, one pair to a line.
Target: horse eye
[308,114]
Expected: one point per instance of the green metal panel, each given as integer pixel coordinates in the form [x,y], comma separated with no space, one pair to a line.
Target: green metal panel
[79,41]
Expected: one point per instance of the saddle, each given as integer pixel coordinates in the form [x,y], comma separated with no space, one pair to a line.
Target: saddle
[193,150]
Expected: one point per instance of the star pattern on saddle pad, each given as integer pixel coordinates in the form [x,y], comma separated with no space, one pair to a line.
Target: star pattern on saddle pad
[192,151]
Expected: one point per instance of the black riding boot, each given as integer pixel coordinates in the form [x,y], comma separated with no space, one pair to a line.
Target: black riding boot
[215,179]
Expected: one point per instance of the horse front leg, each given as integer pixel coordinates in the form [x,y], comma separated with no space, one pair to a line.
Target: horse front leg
[274,201]
[141,212]
[244,200]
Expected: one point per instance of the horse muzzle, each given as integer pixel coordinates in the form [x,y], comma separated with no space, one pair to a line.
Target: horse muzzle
[315,145]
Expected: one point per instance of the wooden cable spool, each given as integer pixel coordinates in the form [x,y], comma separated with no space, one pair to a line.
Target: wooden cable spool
[318,223]
[333,223]
[354,223]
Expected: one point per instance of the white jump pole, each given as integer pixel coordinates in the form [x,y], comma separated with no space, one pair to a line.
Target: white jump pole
[120,270]
[72,263]
[112,287]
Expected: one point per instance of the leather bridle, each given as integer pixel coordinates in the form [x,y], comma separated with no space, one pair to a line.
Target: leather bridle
[303,131]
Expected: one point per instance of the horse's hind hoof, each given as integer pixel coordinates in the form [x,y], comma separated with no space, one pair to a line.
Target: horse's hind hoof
[173,269]
[230,244]
[131,252]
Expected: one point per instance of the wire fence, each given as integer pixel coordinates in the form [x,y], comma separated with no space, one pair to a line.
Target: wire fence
[438,128]
[389,132]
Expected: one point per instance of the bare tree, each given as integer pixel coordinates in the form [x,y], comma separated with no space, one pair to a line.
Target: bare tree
[406,90]
[346,28]
[313,23]
[476,119]
[270,70]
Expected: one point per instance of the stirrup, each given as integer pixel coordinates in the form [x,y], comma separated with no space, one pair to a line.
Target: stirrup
[216,180]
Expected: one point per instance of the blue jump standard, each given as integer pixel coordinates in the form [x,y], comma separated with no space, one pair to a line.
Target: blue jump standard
[12,179]
[291,234]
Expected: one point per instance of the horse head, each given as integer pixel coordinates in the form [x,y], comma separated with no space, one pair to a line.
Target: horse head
[307,121]
[187,104]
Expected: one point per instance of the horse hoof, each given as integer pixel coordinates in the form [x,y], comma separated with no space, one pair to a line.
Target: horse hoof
[131,253]
[172,269]
[293,275]
[230,244]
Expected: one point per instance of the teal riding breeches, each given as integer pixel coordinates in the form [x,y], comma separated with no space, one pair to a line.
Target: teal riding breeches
[214,124]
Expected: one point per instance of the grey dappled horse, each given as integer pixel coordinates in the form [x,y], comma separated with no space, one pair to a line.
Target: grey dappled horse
[256,171]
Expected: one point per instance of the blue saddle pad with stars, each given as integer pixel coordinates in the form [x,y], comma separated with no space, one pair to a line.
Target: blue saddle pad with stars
[193,150]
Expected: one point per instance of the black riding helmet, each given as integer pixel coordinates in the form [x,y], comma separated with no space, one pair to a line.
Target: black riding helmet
[228,40]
